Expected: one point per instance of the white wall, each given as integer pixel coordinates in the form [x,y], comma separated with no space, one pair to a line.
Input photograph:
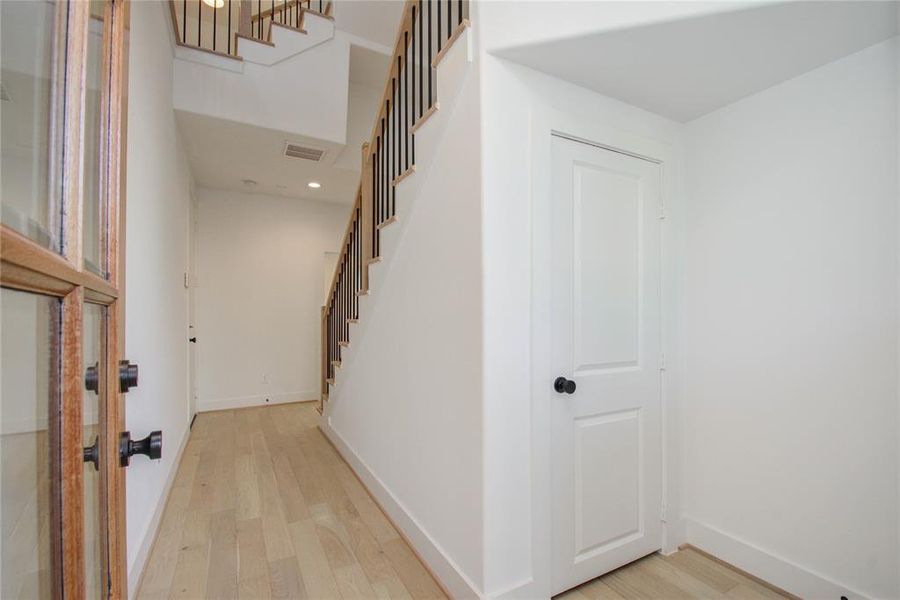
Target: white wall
[158,197]
[259,296]
[407,407]
[305,94]
[520,106]
[790,414]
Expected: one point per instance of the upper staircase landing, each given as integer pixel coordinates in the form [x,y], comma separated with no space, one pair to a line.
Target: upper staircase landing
[217,26]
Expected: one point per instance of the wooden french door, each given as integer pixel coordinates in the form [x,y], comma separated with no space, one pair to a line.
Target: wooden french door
[62,115]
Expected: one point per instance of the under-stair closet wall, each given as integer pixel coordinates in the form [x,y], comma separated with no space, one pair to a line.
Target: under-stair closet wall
[790,332]
[406,406]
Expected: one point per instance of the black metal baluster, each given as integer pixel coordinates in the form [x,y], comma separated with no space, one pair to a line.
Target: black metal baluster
[215,12]
[229,26]
[398,145]
[459,15]
[374,198]
[392,167]
[449,19]
[184,22]
[428,64]
[412,71]
[384,167]
[419,66]
[199,20]
[438,32]
[412,87]
[405,95]
[259,19]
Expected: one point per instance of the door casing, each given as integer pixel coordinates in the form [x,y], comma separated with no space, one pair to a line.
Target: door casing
[545,123]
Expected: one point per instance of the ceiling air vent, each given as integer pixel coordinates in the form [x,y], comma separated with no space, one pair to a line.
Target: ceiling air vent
[297,151]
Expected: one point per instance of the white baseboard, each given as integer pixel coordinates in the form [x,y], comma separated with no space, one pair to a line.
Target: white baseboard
[136,569]
[769,567]
[441,565]
[259,400]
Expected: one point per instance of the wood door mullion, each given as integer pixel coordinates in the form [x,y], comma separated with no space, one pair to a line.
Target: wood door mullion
[71,435]
[113,479]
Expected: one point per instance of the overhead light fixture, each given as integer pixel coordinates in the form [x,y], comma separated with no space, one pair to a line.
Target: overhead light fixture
[214,3]
[248,182]
[314,185]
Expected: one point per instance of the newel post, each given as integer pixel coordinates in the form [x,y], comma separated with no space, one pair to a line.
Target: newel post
[366,208]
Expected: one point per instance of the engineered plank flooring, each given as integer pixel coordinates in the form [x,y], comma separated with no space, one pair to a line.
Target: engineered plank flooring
[263,507]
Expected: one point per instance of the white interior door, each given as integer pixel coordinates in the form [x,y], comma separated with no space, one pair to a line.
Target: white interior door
[606,444]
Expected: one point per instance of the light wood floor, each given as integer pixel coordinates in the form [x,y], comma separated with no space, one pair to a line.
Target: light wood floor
[263,507]
[686,574]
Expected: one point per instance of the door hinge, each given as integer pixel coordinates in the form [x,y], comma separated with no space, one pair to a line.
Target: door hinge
[662,213]
[662,512]
[662,362]
[187,281]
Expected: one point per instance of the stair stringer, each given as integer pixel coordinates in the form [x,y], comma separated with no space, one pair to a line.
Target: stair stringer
[396,435]
[285,41]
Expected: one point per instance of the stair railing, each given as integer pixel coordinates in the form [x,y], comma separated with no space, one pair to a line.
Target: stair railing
[215,25]
[427,30]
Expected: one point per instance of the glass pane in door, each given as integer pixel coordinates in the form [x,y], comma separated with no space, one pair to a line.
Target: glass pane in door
[94,351]
[32,63]
[29,352]
[94,205]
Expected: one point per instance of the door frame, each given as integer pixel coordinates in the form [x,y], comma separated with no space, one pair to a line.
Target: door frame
[545,123]
[60,273]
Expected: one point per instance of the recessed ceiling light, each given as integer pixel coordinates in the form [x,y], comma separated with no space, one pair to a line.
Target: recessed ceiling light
[314,185]
[248,182]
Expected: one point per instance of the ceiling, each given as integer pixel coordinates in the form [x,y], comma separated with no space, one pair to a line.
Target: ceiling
[686,68]
[224,153]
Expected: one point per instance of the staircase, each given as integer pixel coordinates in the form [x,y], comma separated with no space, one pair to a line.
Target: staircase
[218,26]
[428,34]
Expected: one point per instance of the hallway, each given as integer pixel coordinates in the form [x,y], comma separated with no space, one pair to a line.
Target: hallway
[262,506]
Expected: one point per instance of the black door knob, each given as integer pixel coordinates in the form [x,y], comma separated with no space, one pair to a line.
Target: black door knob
[192,340]
[92,378]
[150,446]
[563,385]
[92,453]
[128,375]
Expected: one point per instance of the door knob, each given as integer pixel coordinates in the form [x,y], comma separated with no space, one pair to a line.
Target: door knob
[92,378]
[563,385]
[92,453]
[128,375]
[150,446]
[192,340]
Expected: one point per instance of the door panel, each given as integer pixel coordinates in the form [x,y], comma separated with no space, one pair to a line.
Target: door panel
[94,356]
[606,447]
[32,72]
[607,225]
[30,372]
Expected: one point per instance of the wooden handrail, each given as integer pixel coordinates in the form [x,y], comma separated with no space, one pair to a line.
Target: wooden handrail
[387,158]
